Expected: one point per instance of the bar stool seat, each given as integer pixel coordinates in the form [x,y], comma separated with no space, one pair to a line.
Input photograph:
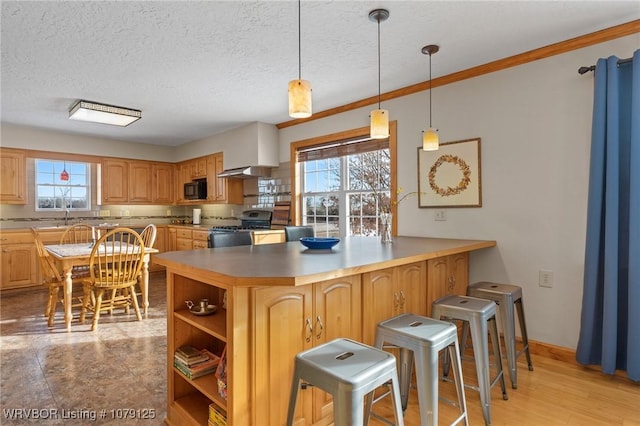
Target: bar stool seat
[506,297]
[349,371]
[480,315]
[420,339]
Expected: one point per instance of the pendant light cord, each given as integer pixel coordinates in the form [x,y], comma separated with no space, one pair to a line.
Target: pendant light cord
[299,44]
[430,109]
[378,62]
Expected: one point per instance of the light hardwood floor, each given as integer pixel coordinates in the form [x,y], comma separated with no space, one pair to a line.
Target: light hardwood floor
[51,369]
[555,393]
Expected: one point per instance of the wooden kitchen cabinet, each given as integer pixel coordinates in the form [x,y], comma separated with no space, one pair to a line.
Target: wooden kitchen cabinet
[18,260]
[184,239]
[13,179]
[219,190]
[163,183]
[200,238]
[390,292]
[161,244]
[135,182]
[289,321]
[187,238]
[447,275]
[140,182]
[114,181]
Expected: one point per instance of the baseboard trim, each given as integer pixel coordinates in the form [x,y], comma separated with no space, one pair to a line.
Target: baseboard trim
[563,354]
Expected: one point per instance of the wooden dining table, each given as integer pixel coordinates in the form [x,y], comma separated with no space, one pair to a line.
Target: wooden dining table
[69,255]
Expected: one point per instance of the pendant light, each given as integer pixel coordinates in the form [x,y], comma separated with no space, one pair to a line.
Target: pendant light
[64,175]
[430,140]
[379,117]
[299,90]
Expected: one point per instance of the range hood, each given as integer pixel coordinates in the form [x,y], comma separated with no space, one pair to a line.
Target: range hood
[246,172]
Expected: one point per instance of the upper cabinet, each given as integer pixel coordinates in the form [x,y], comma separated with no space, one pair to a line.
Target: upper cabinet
[253,145]
[219,190]
[135,182]
[13,181]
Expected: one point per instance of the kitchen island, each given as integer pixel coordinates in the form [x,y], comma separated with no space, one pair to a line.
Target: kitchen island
[282,299]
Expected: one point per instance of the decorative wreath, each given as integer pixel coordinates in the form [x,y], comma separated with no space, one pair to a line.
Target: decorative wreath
[462,185]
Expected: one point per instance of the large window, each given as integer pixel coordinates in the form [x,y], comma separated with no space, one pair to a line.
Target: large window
[62,185]
[345,185]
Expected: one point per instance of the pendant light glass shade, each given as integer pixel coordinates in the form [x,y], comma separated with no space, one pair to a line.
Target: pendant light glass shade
[430,140]
[379,124]
[379,127]
[299,99]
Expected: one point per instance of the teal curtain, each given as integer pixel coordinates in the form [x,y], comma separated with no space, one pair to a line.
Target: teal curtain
[610,321]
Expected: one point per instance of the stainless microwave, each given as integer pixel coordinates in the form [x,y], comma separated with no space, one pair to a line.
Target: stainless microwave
[195,190]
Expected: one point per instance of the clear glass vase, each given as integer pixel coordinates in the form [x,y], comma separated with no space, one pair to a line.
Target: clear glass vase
[385,228]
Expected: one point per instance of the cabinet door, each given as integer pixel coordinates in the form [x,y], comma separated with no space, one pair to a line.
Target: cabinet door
[412,288]
[18,265]
[172,244]
[161,244]
[336,314]
[380,300]
[13,181]
[115,181]
[447,275]
[280,329]
[163,183]
[140,182]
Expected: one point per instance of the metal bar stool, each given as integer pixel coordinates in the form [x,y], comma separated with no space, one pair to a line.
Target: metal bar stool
[349,371]
[480,314]
[506,297]
[421,339]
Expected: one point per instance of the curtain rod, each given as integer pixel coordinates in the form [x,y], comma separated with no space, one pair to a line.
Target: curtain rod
[584,70]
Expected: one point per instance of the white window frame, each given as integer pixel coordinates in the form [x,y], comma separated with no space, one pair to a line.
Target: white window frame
[64,192]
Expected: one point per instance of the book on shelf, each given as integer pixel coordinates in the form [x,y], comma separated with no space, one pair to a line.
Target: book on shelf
[217,416]
[199,369]
[221,374]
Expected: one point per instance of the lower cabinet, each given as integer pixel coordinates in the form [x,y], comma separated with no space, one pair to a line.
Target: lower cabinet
[390,292]
[19,264]
[289,321]
[447,275]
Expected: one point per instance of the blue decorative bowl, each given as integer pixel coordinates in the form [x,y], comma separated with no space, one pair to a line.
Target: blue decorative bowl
[314,243]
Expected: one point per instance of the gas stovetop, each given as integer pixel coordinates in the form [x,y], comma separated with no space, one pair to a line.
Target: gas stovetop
[249,220]
[239,228]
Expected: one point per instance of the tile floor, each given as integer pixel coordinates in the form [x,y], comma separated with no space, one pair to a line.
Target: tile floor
[119,370]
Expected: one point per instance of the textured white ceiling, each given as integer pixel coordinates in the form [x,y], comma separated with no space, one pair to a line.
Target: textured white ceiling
[197,68]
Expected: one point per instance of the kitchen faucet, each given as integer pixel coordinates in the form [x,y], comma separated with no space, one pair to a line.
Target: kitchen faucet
[66,216]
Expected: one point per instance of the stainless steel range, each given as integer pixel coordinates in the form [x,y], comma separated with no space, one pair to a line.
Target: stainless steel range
[249,220]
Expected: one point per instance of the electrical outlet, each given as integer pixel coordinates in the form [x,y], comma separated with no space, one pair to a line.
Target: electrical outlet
[545,278]
[440,215]
[169,212]
[126,213]
[105,213]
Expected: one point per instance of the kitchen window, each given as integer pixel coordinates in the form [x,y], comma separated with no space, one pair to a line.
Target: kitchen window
[344,184]
[62,185]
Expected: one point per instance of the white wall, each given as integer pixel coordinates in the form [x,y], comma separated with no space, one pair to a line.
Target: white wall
[535,123]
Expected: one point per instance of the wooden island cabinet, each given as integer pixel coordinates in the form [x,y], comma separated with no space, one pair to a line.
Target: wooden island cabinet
[282,299]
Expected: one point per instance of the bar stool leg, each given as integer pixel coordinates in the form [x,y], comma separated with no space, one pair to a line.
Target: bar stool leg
[427,387]
[453,351]
[481,356]
[495,340]
[406,368]
[293,398]
[508,326]
[523,331]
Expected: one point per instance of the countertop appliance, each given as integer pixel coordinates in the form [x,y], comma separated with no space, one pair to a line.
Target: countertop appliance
[249,220]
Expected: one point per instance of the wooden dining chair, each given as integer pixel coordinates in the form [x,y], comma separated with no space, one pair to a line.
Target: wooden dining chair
[115,264]
[51,278]
[79,233]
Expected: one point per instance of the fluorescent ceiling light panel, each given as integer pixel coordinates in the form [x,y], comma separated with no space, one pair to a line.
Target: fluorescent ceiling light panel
[106,114]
